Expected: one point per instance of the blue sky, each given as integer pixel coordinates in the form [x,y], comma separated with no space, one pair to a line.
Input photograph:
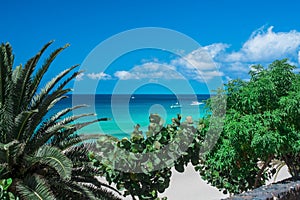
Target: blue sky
[236,34]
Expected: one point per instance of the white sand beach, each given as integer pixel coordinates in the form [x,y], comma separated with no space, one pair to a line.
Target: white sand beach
[189,186]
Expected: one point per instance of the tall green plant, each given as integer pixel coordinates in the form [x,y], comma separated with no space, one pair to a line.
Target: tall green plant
[44,158]
[145,177]
[261,124]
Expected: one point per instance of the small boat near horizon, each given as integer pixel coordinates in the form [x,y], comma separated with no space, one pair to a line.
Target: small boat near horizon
[176,105]
[196,103]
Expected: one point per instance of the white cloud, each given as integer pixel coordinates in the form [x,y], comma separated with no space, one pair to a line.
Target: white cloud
[267,46]
[263,47]
[239,67]
[216,49]
[208,75]
[201,58]
[99,76]
[150,70]
[79,77]
[125,75]
[215,60]
[199,64]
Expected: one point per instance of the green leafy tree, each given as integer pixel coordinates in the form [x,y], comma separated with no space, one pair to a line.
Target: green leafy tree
[179,142]
[42,158]
[261,124]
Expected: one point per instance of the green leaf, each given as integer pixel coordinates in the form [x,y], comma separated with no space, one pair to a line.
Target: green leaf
[34,188]
[21,121]
[54,158]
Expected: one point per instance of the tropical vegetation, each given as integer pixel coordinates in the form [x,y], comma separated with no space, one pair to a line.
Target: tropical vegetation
[144,176]
[41,156]
[261,126]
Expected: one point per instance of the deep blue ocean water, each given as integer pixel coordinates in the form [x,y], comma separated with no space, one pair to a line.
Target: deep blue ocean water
[125,111]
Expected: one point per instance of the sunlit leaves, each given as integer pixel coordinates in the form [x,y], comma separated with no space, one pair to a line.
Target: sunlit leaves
[262,123]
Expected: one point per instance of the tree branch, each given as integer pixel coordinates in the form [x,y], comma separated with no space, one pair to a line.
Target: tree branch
[260,172]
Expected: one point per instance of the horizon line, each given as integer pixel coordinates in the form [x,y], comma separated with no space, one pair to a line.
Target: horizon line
[138,94]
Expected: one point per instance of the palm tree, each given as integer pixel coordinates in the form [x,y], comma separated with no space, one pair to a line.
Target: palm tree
[46,159]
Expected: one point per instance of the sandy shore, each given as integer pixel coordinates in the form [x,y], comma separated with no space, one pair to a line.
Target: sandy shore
[190,186]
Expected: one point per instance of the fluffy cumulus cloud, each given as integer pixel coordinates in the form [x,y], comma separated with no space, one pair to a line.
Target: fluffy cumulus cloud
[201,58]
[150,70]
[197,65]
[200,64]
[216,60]
[99,76]
[263,47]
[125,75]
[266,46]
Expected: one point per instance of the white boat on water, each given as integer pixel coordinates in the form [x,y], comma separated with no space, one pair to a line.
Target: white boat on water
[176,105]
[196,103]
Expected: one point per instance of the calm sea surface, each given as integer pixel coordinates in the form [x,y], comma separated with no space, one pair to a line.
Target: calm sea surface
[125,111]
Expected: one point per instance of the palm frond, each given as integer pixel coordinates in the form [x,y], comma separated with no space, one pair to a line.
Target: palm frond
[73,76]
[7,123]
[20,123]
[79,154]
[39,98]
[16,75]
[63,112]
[87,175]
[45,158]
[67,189]
[34,188]
[41,137]
[11,152]
[14,97]
[75,139]
[54,118]
[4,171]
[101,193]
[36,119]
[81,125]
[6,59]
[53,157]
[41,72]
[9,56]
[85,170]
[53,103]
[3,156]
[26,77]
[45,101]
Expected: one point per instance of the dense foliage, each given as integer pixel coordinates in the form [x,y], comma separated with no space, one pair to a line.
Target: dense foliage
[174,145]
[261,124]
[41,158]
[45,158]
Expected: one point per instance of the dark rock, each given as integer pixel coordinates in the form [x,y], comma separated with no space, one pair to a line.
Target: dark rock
[284,190]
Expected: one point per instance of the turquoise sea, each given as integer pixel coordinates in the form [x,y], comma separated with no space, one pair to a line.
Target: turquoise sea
[125,111]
